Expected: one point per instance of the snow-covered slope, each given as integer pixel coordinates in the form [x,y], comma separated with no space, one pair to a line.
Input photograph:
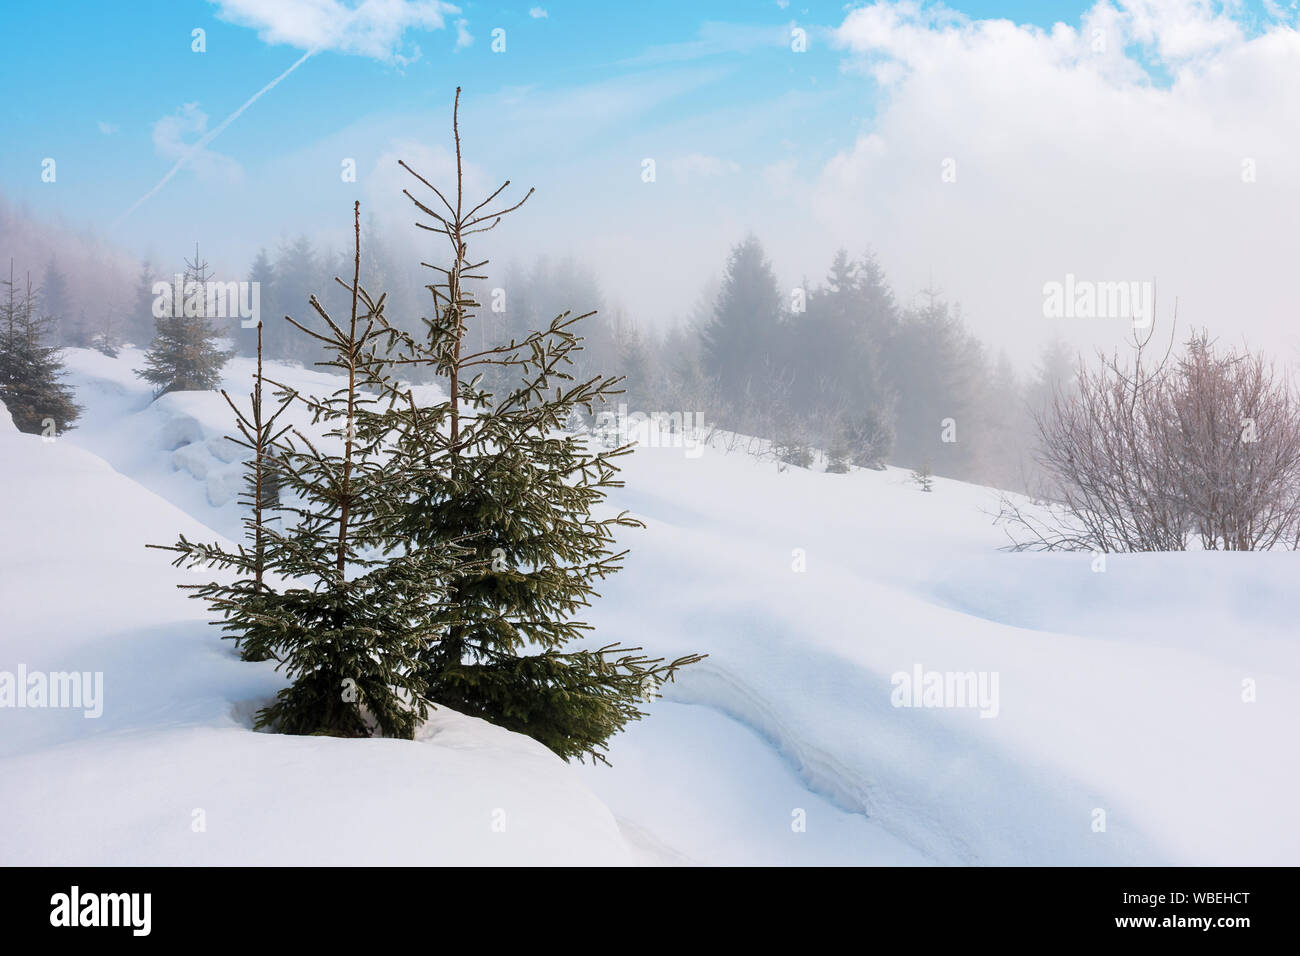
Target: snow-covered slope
[1120,693]
[170,772]
[1119,690]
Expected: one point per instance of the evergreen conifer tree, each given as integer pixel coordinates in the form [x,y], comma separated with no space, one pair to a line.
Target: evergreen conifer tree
[259,435]
[262,275]
[185,355]
[343,606]
[30,369]
[636,371]
[739,338]
[519,493]
[297,265]
[436,554]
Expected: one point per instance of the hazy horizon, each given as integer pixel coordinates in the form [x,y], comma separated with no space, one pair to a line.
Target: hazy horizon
[1139,141]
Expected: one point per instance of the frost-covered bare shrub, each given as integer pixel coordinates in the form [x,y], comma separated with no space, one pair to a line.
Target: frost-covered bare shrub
[1146,453]
[1104,447]
[869,436]
[1236,443]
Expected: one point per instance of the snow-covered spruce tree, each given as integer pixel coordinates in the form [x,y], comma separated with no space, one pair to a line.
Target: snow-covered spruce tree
[519,492]
[343,607]
[185,355]
[30,370]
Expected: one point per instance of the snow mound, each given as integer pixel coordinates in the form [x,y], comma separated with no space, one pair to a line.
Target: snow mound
[1130,699]
[169,771]
[1144,711]
[176,445]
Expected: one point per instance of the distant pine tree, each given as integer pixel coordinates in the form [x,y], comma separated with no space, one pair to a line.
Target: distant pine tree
[1055,371]
[262,275]
[518,492]
[297,271]
[185,355]
[938,371]
[636,370]
[740,336]
[30,369]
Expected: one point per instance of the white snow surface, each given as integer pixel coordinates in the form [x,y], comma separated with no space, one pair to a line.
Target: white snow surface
[172,773]
[1120,692]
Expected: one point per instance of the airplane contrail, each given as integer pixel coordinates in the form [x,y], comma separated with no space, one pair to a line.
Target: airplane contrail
[210,136]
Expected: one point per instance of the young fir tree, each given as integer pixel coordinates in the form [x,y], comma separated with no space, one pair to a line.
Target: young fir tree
[185,355]
[519,493]
[259,436]
[344,607]
[923,477]
[30,370]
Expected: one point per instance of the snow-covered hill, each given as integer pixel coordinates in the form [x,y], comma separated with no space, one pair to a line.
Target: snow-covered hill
[170,771]
[1119,693]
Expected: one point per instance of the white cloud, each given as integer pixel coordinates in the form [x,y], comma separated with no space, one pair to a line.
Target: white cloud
[1283,12]
[180,137]
[373,28]
[537,13]
[1180,29]
[463,36]
[1116,160]
[108,129]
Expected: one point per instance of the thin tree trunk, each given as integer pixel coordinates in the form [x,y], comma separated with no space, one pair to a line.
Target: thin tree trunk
[345,498]
[258,546]
[454,281]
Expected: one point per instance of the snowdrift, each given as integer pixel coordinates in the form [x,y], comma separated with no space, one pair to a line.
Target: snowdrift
[170,772]
[1157,697]
[1145,713]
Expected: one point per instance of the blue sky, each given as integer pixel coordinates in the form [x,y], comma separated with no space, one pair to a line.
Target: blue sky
[838,145]
[77,65]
